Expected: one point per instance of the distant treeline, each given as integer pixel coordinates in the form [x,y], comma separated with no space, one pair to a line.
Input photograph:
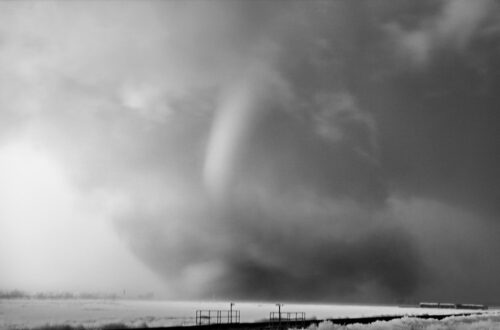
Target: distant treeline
[18,294]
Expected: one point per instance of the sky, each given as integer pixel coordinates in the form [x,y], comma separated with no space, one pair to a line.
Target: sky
[314,151]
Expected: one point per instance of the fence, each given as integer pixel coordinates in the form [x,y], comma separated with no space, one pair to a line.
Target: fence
[287,318]
[205,317]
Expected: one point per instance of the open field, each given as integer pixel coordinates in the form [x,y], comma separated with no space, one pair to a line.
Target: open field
[32,313]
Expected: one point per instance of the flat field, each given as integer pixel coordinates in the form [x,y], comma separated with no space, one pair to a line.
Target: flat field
[33,313]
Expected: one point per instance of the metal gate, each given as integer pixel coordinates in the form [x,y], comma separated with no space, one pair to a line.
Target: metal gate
[214,316]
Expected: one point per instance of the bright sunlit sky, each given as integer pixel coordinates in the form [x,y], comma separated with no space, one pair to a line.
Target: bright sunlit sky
[251,150]
[55,239]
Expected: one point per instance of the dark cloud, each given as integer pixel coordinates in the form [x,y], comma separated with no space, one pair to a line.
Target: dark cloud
[325,268]
[434,136]
[299,151]
[262,251]
[297,222]
[439,132]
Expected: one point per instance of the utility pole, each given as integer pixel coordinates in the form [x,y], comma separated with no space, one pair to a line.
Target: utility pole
[231,304]
[279,312]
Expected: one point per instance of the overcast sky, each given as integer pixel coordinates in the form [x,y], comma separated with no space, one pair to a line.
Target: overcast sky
[252,150]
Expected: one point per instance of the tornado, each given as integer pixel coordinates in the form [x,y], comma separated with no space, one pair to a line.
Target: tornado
[240,106]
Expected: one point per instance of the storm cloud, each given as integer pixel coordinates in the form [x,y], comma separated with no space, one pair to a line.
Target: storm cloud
[304,151]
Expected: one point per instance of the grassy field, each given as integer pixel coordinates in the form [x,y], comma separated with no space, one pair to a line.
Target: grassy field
[82,314]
